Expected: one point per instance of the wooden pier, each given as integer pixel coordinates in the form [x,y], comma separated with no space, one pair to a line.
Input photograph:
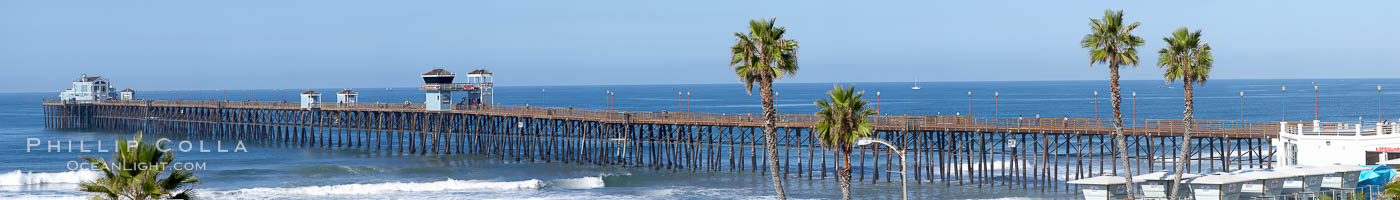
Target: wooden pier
[1012,152]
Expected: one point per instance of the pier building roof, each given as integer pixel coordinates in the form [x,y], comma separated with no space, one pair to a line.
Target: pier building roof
[1162,176]
[347,91]
[1263,174]
[1344,168]
[1303,171]
[438,76]
[310,92]
[1219,179]
[439,72]
[86,78]
[1100,180]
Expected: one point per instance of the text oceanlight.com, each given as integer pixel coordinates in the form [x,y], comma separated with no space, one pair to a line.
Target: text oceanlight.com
[163,144]
[192,166]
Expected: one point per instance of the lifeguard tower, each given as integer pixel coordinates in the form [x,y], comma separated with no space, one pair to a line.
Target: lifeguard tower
[438,86]
[88,89]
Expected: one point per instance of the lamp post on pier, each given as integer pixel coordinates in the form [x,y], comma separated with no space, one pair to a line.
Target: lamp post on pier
[877,102]
[969,103]
[1284,100]
[1315,102]
[1241,105]
[542,97]
[680,101]
[1096,107]
[902,168]
[996,104]
[687,102]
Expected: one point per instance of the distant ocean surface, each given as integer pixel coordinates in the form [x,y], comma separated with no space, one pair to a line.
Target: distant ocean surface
[281,172]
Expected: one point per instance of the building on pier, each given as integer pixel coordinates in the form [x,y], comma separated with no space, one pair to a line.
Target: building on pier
[310,99]
[128,94]
[88,89]
[347,96]
[482,80]
[438,86]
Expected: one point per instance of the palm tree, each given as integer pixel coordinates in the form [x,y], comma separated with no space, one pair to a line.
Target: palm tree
[761,56]
[1391,191]
[842,121]
[1188,59]
[133,174]
[1114,44]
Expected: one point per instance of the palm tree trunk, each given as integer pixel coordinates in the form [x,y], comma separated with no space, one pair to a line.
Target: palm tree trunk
[1185,157]
[770,129]
[845,176]
[1117,98]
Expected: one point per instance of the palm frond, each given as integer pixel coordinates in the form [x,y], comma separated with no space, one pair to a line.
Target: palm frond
[763,54]
[1186,57]
[1110,42]
[134,172]
[843,118]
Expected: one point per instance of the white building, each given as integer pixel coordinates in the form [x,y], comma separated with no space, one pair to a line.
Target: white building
[1327,144]
[88,89]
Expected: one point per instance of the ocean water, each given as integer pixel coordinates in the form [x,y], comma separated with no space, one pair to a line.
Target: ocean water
[270,171]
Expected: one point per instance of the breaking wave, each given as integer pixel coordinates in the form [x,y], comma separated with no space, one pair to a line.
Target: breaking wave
[448,185]
[20,178]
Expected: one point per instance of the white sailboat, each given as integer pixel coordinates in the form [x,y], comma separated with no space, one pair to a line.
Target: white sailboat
[916,84]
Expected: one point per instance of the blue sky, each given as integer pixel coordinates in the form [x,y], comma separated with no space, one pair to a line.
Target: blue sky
[159,45]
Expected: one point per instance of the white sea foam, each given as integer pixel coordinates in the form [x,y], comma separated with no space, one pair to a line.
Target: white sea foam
[577,183]
[20,178]
[392,187]
[42,196]
[448,185]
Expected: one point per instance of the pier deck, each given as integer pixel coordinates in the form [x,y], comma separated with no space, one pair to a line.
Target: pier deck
[1158,127]
[987,151]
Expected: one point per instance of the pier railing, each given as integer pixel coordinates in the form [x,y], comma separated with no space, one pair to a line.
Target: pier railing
[1317,128]
[1161,127]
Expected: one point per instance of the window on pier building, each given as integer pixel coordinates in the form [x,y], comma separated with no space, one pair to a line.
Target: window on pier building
[1373,157]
